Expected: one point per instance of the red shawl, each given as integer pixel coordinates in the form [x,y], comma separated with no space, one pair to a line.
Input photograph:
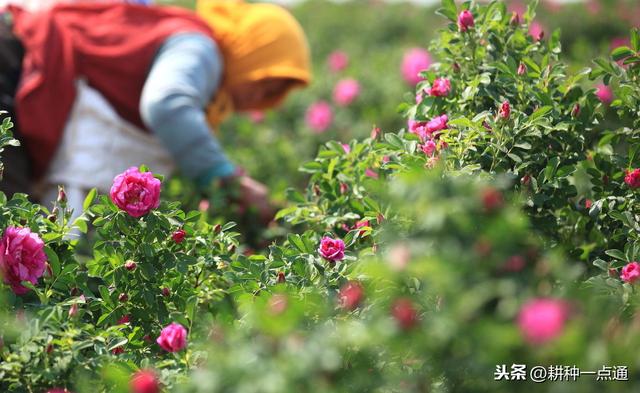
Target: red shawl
[111,46]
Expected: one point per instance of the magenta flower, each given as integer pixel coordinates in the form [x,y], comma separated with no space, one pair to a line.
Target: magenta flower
[319,116]
[338,61]
[346,148]
[604,94]
[632,178]
[541,320]
[440,87]
[144,381]
[465,20]
[371,173]
[630,273]
[429,147]
[505,110]
[536,30]
[331,249]
[22,258]
[135,192]
[346,91]
[414,61]
[173,337]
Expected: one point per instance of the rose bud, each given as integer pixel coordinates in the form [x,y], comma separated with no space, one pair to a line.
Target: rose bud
[575,112]
[526,180]
[375,132]
[343,188]
[123,297]
[515,19]
[217,228]
[73,311]
[465,20]
[492,199]
[62,196]
[505,110]
[404,313]
[281,278]
[130,265]
[178,236]
[117,351]
[522,69]
[166,292]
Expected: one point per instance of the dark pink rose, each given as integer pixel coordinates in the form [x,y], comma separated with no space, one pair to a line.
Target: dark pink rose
[331,249]
[22,258]
[135,192]
[173,337]
[630,273]
[440,87]
[632,178]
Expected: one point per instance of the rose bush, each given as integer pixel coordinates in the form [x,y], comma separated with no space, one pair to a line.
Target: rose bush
[497,228]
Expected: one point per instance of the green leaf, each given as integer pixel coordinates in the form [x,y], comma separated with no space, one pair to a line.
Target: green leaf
[88,200]
[616,254]
[543,110]
[296,241]
[621,52]
[53,260]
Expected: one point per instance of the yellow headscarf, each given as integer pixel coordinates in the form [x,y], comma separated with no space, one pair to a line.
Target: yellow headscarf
[257,41]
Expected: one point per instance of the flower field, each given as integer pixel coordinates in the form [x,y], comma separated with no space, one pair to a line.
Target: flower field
[458,212]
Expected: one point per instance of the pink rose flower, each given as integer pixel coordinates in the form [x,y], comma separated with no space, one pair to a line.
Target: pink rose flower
[351,295]
[536,31]
[135,192]
[338,61]
[541,320]
[331,249]
[173,337]
[346,91]
[144,381]
[22,258]
[429,147]
[632,178]
[319,116]
[505,110]
[440,87]
[465,20]
[630,273]
[414,61]
[604,94]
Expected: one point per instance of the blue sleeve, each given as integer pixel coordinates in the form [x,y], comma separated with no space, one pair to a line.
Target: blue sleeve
[183,77]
